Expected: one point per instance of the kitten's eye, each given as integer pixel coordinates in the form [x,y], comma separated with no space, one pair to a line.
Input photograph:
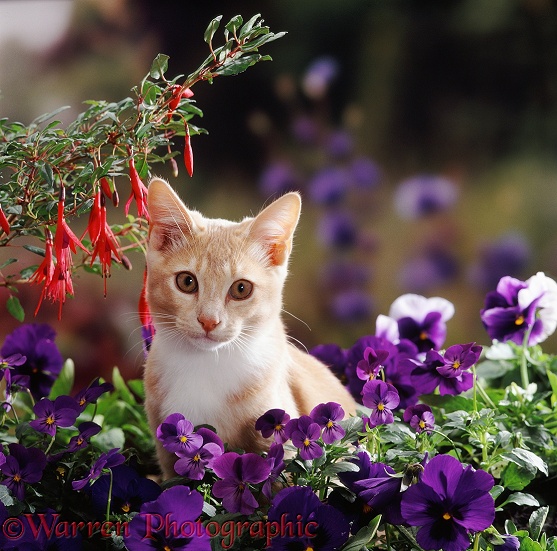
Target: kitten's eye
[240,289]
[186,282]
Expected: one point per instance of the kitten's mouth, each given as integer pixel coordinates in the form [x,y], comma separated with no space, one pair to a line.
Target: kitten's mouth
[208,342]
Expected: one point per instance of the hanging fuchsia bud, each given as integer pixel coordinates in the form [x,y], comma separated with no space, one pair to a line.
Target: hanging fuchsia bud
[4,224]
[188,153]
[139,192]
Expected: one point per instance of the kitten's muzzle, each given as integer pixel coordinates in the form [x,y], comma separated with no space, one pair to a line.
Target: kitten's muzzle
[208,323]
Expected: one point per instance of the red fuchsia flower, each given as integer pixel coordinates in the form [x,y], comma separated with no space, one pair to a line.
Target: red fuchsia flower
[4,224]
[188,152]
[177,94]
[109,189]
[139,192]
[103,239]
[65,242]
[147,327]
[45,271]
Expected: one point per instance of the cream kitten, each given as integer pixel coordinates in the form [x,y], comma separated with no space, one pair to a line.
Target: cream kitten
[220,355]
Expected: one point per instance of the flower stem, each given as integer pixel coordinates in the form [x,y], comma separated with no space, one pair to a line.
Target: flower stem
[477,542]
[524,361]
[109,500]
[50,445]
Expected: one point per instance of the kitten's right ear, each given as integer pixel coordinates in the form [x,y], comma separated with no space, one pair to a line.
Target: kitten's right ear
[170,221]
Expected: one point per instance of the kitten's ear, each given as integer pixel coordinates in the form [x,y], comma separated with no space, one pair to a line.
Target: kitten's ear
[274,227]
[170,221]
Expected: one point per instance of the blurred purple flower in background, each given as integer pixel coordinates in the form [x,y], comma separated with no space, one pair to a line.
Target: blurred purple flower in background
[507,256]
[278,178]
[43,359]
[424,195]
[319,76]
[304,130]
[339,144]
[333,356]
[351,306]
[431,269]
[365,173]
[328,186]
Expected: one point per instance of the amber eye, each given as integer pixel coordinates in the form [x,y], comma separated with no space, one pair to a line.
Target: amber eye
[186,282]
[240,289]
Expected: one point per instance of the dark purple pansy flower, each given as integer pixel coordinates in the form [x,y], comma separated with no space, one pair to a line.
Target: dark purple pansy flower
[129,491]
[333,356]
[275,459]
[13,360]
[86,431]
[237,472]
[34,536]
[381,490]
[50,415]
[424,195]
[372,363]
[43,359]
[192,464]
[304,433]
[22,466]
[510,543]
[420,418]
[381,398]
[448,503]
[520,308]
[91,394]
[177,435]
[459,357]
[351,306]
[106,460]
[178,506]
[356,510]
[337,229]
[320,527]
[14,383]
[326,416]
[328,186]
[422,320]
[272,423]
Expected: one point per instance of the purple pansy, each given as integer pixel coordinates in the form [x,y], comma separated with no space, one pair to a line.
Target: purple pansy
[22,466]
[128,490]
[458,358]
[236,473]
[519,308]
[424,195]
[13,360]
[86,431]
[106,460]
[381,398]
[62,412]
[304,433]
[192,463]
[14,383]
[510,543]
[320,527]
[420,418]
[43,359]
[178,506]
[368,368]
[448,503]
[422,320]
[333,356]
[272,423]
[319,76]
[326,416]
[91,394]
[34,536]
[275,459]
[177,435]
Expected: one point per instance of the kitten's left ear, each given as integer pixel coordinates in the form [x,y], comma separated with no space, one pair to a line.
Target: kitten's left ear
[274,227]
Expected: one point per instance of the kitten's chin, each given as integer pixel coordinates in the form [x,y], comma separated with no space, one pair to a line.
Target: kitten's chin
[206,343]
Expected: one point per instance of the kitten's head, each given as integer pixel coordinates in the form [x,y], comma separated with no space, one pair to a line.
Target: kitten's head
[211,281]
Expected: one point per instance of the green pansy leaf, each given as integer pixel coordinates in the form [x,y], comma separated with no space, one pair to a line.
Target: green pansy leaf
[5,496]
[536,522]
[364,535]
[528,544]
[526,459]
[520,498]
[516,478]
[64,382]
[107,440]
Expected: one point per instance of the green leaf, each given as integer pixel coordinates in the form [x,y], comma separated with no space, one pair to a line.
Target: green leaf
[363,536]
[528,544]
[239,65]
[249,25]
[64,382]
[122,388]
[33,249]
[159,66]
[15,309]
[45,170]
[340,467]
[553,382]
[516,478]
[521,499]
[526,459]
[7,263]
[536,522]
[5,496]
[234,23]
[212,29]
[107,440]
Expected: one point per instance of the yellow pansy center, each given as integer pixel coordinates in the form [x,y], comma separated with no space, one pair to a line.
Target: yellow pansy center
[126,508]
[330,425]
[380,406]
[50,420]
[456,364]
[422,424]
[183,439]
[519,320]
[447,516]
[423,336]
[17,477]
[307,442]
[197,458]
[278,428]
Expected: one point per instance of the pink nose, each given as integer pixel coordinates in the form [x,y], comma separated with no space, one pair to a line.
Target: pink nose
[207,323]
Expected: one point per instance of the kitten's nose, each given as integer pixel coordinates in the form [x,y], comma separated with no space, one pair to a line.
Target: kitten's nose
[208,323]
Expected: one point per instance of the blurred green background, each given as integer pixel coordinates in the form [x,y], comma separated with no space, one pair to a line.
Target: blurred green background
[464,91]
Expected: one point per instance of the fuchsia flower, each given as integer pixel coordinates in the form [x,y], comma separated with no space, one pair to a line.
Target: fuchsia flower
[138,192]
